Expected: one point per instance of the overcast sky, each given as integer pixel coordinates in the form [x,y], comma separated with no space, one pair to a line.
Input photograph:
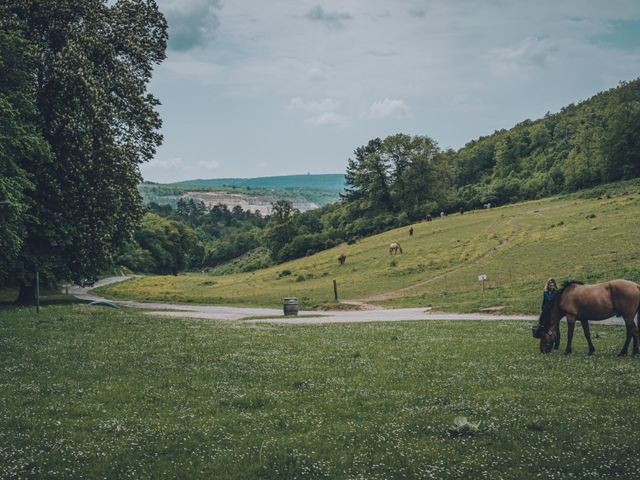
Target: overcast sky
[272,87]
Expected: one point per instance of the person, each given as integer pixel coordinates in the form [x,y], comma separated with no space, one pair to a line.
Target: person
[550,291]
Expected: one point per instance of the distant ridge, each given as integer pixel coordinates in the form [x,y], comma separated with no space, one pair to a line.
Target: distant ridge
[333,182]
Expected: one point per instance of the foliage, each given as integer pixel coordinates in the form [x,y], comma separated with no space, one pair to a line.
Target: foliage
[95,393]
[162,246]
[20,143]
[94,61]
[594,142]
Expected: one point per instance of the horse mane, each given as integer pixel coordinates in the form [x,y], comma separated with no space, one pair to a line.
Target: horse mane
[571,282]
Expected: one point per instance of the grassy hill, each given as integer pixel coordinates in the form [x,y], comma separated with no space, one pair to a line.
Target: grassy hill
[590,236]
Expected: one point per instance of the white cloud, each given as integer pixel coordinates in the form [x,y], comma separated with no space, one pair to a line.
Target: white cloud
[389,108]
[328,118]
[209,164]
[314,106]
[175,162]
[324,111]
[530,52]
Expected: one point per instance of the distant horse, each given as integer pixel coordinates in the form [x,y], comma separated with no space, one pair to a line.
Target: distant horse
[591,302]
[486,205]
[342,259]
[461,210]
[429,218]
[442,214]
[411,231]
[395,248]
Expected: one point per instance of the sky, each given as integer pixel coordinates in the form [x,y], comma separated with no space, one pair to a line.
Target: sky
[259,88]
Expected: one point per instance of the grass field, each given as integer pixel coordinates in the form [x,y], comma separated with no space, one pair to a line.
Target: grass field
[90,393]
[517,246]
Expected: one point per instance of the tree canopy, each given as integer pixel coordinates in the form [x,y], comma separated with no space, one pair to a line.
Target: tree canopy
[94,60]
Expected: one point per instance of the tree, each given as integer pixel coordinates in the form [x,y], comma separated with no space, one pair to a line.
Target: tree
[20,142]
[281,228]
[95,59]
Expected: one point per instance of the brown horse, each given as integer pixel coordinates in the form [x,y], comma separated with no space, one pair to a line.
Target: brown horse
[342,259]
[591,302]
[394,248]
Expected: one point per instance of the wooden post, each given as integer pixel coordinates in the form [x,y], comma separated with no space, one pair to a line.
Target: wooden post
[335,290]
[482,286]
[38,292]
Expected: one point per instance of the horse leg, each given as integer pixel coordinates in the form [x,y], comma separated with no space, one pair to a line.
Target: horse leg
[632,332]
[571,324]
[587,335]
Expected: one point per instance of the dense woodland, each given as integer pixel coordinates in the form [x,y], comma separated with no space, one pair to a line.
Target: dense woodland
[76,120]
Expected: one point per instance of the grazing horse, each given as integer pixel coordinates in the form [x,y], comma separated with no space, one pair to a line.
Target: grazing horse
[429,218]
[394,248]
[342,259]
[591,302]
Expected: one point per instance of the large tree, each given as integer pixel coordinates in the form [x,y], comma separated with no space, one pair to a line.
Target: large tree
[20,143]
[95,59]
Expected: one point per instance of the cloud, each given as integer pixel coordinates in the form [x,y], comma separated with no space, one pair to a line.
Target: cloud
[209,164]
[389,108]
[327,118]
[192,23]
[334,20]
[314,106]
[530,52]
[324,111]
[171,163]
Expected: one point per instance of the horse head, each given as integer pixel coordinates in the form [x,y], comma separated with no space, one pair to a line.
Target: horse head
[549,318]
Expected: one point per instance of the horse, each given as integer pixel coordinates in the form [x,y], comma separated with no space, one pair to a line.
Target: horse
[394,248]
[429,218]
[411,231]
[486,205]
[342,259]
[578,301]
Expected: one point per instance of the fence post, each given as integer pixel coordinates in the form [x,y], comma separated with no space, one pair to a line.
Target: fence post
[335,290]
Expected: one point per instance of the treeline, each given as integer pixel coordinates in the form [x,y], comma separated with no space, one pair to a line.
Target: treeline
[401,179]
[191,236]
[596,141]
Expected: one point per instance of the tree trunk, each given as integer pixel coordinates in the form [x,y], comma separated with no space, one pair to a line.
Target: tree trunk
[27,295]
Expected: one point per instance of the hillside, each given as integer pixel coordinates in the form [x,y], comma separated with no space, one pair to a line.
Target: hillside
[589,236]
[306,192]
[325,182]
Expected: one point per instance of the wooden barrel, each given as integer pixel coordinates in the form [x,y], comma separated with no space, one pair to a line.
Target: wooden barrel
[290,305]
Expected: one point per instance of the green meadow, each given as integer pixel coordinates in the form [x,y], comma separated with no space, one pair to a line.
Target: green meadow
[517,246]
[101,394]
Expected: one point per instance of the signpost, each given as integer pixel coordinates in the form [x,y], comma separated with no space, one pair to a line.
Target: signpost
[38,293]
[481,279]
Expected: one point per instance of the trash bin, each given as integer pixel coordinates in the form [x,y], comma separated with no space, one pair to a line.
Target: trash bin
[290,305]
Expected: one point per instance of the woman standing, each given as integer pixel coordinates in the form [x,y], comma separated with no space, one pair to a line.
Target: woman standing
[550,291]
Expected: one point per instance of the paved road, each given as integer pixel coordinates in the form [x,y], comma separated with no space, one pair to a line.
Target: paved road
[356,316]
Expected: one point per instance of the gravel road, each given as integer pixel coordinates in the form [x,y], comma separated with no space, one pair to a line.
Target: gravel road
[239,313]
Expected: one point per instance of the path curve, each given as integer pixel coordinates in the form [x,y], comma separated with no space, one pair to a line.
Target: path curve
[271,315]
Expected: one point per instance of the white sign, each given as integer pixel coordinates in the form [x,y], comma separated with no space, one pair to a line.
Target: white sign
[482,278]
